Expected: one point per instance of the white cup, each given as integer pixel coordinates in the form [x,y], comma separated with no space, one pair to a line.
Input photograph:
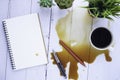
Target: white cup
[101,38]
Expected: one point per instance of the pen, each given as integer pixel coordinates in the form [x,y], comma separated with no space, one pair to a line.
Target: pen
[71,52]
[60,66]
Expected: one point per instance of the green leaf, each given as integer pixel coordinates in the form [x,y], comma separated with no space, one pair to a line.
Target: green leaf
[104,8]
[46,3]
[64,4]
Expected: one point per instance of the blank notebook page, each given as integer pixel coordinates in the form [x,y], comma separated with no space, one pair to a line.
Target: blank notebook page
[26,41]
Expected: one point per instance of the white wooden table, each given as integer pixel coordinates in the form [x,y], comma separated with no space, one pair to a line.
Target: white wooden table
[100,69]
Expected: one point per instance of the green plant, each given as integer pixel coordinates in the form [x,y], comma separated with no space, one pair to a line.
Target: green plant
[46,3]
[62,4]
[104,8]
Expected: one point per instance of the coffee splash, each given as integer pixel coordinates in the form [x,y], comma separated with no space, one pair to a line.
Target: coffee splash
[74,29]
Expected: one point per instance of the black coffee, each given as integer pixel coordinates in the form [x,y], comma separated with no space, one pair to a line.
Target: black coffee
[101,37]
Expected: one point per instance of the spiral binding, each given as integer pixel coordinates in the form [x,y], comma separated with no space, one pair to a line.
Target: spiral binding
[8,45]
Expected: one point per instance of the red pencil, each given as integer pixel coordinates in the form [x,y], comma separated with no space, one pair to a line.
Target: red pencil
[71,52]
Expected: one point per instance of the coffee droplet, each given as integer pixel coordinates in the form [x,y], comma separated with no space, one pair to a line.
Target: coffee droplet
[36,54]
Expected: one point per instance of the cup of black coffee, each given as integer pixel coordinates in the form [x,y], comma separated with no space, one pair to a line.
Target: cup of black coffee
[101,38]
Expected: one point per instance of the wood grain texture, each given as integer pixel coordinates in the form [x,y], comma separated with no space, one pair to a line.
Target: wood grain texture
[99,70]
[40,72]
[16,8]
[52,70]
[19,8]
[3,47]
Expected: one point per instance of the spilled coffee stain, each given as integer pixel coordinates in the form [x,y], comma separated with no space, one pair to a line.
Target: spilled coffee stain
[74,29]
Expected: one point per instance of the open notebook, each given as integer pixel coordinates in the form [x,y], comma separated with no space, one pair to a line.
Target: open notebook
[25,41]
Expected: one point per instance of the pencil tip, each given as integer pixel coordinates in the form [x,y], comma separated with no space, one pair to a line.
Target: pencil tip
[84,64]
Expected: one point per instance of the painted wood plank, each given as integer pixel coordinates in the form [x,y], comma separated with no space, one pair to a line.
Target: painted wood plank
[3,50]
[17,8]
[40,72]
[79,24]
[52,70]
[103,70]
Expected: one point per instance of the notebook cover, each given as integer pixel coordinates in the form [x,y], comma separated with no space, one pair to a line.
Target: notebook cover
[25,41]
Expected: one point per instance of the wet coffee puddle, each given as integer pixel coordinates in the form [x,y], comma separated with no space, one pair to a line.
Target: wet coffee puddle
[74,30]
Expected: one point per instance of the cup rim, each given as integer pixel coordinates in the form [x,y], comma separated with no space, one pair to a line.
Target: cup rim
[98,47]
